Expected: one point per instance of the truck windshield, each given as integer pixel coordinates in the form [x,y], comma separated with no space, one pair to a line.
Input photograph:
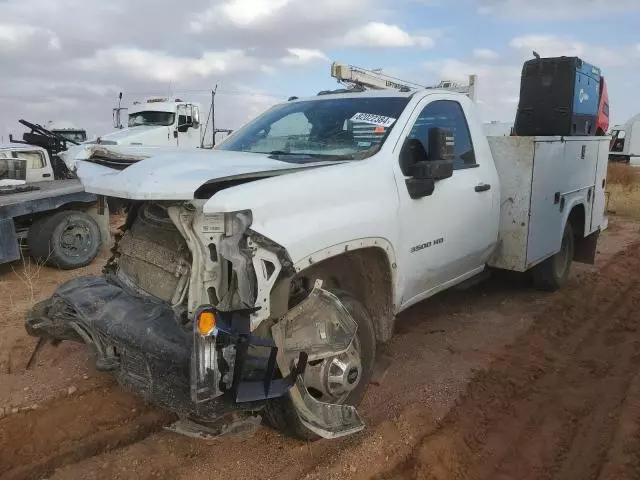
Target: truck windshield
[333,129]
[151,118]
[76,136]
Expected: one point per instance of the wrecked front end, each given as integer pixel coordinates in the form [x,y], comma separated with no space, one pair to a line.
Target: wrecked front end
[182,316]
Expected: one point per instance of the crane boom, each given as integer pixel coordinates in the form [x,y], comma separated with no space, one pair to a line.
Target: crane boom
[376,80]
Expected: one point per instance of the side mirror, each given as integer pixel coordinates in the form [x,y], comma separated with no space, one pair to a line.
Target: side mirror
[425,168]
[432,169]
[412,153]
[196,118]
[439,164]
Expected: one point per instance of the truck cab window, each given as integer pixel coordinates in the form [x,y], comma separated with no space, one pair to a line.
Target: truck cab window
[35,160]
[152,118]
[446,114]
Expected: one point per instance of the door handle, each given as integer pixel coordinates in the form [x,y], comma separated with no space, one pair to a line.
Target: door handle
[483,187]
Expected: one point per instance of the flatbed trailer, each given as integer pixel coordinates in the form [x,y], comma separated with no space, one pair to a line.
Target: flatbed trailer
[45,214]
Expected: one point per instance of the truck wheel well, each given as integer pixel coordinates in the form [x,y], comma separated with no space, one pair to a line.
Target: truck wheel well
[365,274]
[577,220]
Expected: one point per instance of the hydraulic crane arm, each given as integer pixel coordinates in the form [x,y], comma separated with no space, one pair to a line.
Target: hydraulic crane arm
[376,80]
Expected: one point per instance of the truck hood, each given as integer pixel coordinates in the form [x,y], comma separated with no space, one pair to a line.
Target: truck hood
[116,157]
[139,134]
[177,175]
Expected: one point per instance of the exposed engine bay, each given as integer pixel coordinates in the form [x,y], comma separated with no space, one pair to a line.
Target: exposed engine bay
[177,255]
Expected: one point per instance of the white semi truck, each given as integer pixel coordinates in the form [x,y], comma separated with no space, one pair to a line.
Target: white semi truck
[262,277]
[158,122]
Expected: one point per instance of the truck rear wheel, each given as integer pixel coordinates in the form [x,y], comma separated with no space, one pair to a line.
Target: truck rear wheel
[553,273]
[342,379]
[68,239]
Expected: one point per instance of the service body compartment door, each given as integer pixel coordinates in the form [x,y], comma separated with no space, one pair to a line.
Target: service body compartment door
[542,179]
[513,157]
[598,213]
[563,177]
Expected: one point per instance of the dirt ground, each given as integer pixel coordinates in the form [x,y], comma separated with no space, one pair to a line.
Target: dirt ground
[496,382]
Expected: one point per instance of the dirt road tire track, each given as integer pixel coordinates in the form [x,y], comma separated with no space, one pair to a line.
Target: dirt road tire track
[561,403]
[34,443]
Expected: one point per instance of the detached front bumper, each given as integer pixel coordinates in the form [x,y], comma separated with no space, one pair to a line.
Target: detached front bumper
[142,342]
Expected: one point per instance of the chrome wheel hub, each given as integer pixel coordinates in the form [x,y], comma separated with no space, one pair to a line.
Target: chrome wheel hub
[332,379]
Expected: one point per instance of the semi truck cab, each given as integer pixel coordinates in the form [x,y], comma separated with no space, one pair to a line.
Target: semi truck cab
[158,122]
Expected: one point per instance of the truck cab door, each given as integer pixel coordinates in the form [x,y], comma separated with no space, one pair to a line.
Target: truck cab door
[448,233]
[188,133]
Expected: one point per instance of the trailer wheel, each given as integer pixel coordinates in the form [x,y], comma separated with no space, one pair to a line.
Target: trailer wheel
[553,273]
[357,364]
[68,239]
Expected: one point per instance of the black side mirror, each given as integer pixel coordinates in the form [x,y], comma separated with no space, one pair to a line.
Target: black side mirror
[424,169]
[412,153]
[432,169]
[439,164]
[413,160]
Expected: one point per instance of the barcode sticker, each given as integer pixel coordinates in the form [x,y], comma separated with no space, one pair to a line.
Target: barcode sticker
[370,118]
[213,224]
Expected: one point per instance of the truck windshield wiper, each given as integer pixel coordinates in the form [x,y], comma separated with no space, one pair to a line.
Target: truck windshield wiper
[317,156]
[284,152]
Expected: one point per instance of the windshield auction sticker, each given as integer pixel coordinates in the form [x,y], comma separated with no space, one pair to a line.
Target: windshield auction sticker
[370,118]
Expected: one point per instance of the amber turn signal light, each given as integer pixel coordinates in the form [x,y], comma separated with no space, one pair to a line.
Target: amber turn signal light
[206,323]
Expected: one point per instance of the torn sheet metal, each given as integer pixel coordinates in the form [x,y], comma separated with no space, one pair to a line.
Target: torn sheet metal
[321,326]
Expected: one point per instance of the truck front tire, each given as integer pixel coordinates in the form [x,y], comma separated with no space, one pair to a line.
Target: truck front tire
[281,413]
[553,273]
[67,239]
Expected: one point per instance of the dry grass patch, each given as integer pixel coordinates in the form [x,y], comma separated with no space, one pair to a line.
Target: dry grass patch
[623,190]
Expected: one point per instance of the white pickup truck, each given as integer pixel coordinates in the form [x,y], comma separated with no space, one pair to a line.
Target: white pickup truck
[261,277]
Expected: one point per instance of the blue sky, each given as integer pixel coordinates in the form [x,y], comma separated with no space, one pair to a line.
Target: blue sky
[58,66]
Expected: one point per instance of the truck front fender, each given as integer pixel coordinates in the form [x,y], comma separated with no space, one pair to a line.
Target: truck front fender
[365,267]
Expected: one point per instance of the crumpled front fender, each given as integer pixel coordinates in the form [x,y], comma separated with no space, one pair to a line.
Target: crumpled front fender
[322,327]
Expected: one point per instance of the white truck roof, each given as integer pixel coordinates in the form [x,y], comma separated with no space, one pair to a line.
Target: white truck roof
[20,147]
[378,94]
[157,106]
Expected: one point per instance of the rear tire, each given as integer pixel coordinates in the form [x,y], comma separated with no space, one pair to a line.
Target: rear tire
[552,274]
[281,413]
[67,239]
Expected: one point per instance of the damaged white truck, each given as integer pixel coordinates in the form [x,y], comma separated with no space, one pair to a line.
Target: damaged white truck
[258,280]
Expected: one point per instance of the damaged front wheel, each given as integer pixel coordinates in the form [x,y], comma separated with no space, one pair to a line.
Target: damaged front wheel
[341,379]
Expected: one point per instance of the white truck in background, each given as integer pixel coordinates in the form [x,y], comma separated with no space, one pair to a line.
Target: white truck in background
[261,278]
[625,143]
[153,126]
[62,225]
[67,130]
[157,122]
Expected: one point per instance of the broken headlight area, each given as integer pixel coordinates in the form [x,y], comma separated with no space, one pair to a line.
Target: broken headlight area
[225,359]
[143,343]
